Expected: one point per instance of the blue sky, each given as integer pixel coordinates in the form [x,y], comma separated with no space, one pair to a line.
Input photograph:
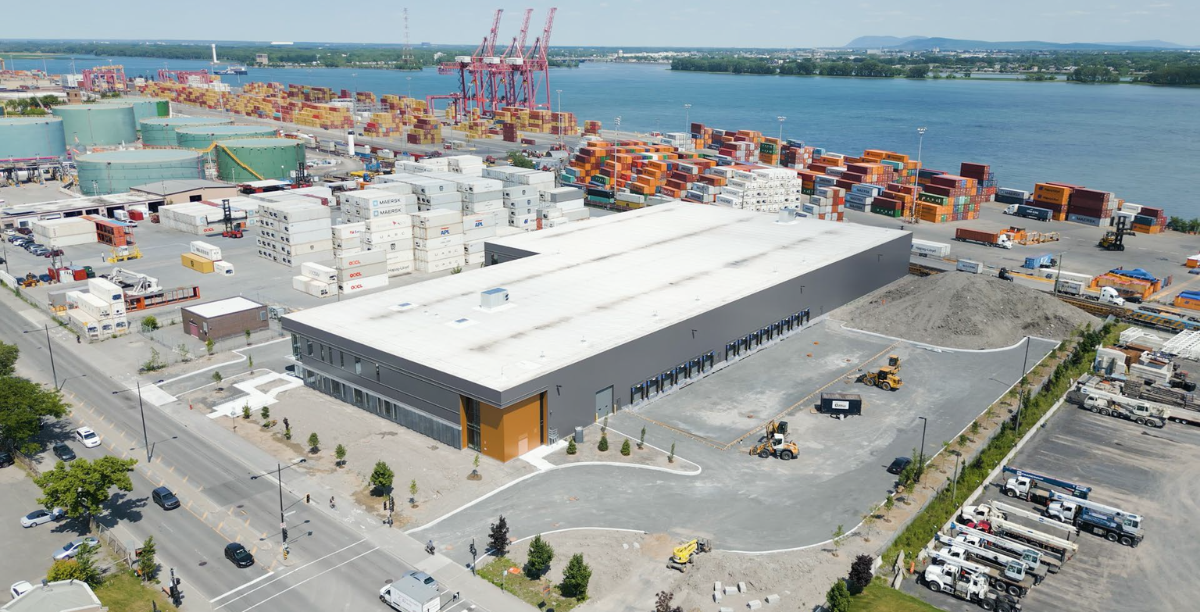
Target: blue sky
[778,23]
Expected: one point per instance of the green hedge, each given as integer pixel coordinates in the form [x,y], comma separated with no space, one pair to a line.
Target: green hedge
[942,508]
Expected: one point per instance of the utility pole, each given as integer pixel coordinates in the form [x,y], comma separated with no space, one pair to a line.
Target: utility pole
[46,328]
[1021,402]
[282,519]
[142,410]
[921,467]
[473,553]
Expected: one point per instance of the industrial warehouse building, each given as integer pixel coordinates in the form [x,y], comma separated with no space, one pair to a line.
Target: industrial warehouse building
[224,318]
[565,325]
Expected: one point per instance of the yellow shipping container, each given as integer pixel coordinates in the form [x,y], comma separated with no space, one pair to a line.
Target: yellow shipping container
[197,263]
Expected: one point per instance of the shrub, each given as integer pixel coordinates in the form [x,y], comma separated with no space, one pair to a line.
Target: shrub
[266,413]
[576,578]
[571,449]
[150,323]
[625,449]
[861,573]
[314,442]
[381,476]
[603,446]
[246,411]
[838,597]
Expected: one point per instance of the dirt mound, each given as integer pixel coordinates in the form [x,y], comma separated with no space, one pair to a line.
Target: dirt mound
[961,310]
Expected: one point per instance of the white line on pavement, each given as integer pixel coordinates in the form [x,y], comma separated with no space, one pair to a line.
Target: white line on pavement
[256,580]
[282,576]
[237,352]
[301,583]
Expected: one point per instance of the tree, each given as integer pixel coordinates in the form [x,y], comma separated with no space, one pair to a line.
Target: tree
[861,573]
[540,556]
[217,378]
[888,504]
[671,455]
[247,337]
[23,403]
[81,487]
[340,453]
[838,535]
[8,358]
[625,449]
[150,323]
[82,567]
[519,160]
[412,492]
[266,413]
[576,578]
[498,538]
[919,71]
[571,448]
[246,411]
[381,476]
[184,353]
[838,597]
[603,446]
[662,603]
[147,566]
[209,345]
[642,443]
[155,362]
[314,442]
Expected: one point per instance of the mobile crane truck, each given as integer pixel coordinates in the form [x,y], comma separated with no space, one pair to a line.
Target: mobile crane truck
[1113,524]
[997,559]
[968,581]
[1031,556]
[1021,486]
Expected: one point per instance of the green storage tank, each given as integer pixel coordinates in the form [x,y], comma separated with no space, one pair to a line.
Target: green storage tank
[201,137]
[271,158]
[31,137]
[160,131]
[97,125]
[116,171]
[145,108]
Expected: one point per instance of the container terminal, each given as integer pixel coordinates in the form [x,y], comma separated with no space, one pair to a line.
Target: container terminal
[770,311]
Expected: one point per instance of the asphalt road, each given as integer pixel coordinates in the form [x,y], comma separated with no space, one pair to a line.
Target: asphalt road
[225,489]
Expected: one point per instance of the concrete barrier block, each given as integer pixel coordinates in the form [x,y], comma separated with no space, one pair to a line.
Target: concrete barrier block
[725,610]
[754,604]
[772,599]
[742,587]
[730,590]
[717,586]
[717,596]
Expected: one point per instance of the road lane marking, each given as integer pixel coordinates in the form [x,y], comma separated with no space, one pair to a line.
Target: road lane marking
[282,576]
[251,583]
[302,582]
[290,513]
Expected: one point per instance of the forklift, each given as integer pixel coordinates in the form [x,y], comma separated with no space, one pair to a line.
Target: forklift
[232,230]
[1115,240]
[886,377]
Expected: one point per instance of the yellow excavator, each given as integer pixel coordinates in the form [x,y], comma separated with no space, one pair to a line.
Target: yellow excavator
[886,377]
[776,443]
[685,555]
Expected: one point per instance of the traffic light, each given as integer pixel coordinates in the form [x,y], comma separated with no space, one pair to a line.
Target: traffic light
[285,534]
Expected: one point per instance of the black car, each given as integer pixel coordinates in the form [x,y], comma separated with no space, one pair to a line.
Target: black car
[238,555]
[164,498]
[6,459]
[64,452]
[899,464]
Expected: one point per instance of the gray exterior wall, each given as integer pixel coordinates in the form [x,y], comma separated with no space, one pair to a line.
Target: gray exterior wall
[571,391]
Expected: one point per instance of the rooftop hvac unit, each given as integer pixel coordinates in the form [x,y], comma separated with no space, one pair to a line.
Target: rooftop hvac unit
[493,298]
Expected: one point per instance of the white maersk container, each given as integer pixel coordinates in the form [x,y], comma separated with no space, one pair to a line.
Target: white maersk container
[926,248]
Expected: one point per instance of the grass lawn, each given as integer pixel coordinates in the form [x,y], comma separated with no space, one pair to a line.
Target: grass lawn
[878,597]
[124,592]
[538,593]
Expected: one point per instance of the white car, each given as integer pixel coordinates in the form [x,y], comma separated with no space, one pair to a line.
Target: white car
[41,515]
[19,588]
[89,438]
[72,548]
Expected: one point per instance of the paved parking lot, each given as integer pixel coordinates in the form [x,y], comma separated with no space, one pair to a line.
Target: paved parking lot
[35,544]
[1147,471]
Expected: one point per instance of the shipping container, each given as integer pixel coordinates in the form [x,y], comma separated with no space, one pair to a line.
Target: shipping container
[966,265]
[926,248]
[848,404]
[197,263]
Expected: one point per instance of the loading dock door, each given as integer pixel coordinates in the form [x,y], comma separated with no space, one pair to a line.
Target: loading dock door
[604,402]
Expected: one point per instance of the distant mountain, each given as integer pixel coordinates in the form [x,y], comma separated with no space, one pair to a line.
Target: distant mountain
[877,42]
[925,43]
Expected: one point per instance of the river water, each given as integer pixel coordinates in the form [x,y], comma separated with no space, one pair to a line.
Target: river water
[1141,142]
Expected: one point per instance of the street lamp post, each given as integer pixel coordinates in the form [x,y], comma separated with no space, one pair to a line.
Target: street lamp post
[954,483]
[921,467]
[49,345]
[687,118]
[781,119]
[142,410]
[920,141]
[1021,402]
[560,128]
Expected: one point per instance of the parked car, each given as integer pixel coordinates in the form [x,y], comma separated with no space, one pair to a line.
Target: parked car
[24,230]
[89,438]
[238,555]
[6,459]
[41,515]
[32,245]
[56,253]
[19,588]
[164,498]
[72,548]
[899,464]
[64,452]
[40,251]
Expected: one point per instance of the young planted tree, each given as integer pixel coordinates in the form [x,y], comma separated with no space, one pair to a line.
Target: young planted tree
[839,535]
[861,573]
[575,578]
[246,411]
[381,477]
[184,353]
[314,442]
[81,487]
[266,413]
[642,444]
[603,446]
[412,492]
[540,556]
[838,597]
[247,337]
[209,345]
[625,449]
[888,504]
[671,455]
[498,538]
[340,453]
[571,448]
[217,378]
[147,565]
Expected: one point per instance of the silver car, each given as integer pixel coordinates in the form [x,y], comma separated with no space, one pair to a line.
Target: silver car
[72,548]
[41,515]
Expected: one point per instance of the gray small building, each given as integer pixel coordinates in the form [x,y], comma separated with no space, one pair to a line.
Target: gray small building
[224,318]
[174,191]
[61,596]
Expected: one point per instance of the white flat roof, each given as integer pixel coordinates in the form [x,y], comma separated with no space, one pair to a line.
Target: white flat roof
[592,286]
[223,307]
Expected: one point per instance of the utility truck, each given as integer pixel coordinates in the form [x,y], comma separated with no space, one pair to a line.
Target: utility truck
[1022,486]
[997,559]
[1142,412]
[1060,547]
[1031,556]
[1113,524]
[965,583]
[413,592]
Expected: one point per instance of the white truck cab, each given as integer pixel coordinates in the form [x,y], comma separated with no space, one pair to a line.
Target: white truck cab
[1108,295]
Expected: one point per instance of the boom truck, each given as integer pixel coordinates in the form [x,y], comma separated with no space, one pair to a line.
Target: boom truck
[1107,403]
[1031,556]
[967,580]
[995,510]
[1054,545]
[1022,486]
[999,560]
[1113,524]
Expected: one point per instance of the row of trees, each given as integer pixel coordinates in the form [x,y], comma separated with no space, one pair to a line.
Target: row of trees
[1180,224]
[323,55]
[576,575]
[858,67]
[23,405]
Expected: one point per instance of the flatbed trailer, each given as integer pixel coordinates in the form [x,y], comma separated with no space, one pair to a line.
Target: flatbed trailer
[165,297]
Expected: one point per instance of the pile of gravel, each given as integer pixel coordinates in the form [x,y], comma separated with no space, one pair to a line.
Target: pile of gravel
[962,310]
